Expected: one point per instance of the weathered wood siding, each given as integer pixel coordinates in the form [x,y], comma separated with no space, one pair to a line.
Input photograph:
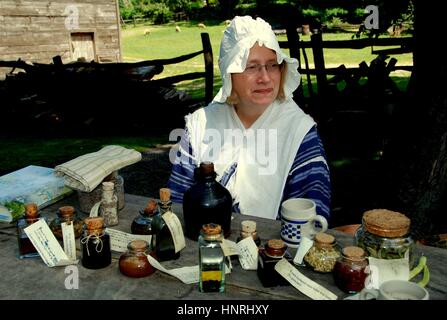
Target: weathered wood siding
[38,30]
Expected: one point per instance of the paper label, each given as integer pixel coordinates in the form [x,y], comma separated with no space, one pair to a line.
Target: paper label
[119,239]
[94,210]
[248,254]
[175,227]
[69,240]
[382,270]
[47,245]
[229,248]
[187,275]
[304,246]
[302,283]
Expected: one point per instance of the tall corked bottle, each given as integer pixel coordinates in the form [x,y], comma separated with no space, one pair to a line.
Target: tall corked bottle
[207,201]
[26,248]
[162,241]
[109,204]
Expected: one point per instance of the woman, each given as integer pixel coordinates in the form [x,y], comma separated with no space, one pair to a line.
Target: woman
[265,149]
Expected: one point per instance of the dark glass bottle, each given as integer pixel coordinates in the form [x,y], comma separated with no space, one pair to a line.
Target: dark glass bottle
[143,223]
[207,201]
[162,241]
[66,214]
[273,251]
[211,259]
[95,244]
[26,248]
[134,263]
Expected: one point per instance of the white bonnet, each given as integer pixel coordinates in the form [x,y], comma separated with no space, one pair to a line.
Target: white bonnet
[239,37]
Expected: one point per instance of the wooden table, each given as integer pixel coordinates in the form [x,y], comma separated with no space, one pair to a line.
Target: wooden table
[32,279]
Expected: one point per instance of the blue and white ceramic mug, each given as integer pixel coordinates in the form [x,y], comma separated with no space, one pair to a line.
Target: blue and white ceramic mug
[298,219]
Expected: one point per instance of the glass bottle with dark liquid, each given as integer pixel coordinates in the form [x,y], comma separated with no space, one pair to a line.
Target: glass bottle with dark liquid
[162,241]
[207,201]
[273,251]
[26,248]
[143,223]
[95,244]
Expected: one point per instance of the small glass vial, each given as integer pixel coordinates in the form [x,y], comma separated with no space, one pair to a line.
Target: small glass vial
[66,214]
[384,234]
[248,229]
[323,254]
[349,270]
[142,224]
[211,259]
[26,248]
[109,204]
[273,251]
[162,241]
[134,263]
[95,244]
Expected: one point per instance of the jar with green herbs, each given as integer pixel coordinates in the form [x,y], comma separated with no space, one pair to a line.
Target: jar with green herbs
[384,234]
[323,254]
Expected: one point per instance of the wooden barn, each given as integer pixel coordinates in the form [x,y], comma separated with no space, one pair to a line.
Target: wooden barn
[38,30]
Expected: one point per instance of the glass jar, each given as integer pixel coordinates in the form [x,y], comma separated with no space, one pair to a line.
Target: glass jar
[273,251]
[323,254]
[206,201]
[109,204]
[384,234]
[211,259]
[95,244]
[143,223]
[349,270]
[248,229]
[133,263]
[66,214]
[26,248]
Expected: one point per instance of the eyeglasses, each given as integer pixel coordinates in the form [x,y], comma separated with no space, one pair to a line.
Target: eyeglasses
[257,68]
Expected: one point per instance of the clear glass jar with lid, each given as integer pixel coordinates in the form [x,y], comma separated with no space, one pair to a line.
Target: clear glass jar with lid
[66,214]
[350,269]
[324,253]
[385,234]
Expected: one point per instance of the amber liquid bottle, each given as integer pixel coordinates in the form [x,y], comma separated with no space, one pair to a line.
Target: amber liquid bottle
[207,201]
[26,248]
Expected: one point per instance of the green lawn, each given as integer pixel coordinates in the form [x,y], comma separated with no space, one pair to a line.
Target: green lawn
[165,42]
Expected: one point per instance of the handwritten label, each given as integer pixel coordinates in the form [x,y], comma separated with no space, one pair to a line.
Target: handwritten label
[47,245]
[229,248]
[69,240]
[187,275]
[175,227]
[119,239]
[382,270]
[248,254]
[302,283]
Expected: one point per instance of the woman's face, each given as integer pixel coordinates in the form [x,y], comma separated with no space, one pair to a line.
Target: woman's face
[258,85]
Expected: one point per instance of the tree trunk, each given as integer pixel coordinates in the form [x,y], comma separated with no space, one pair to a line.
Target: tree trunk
[417,153]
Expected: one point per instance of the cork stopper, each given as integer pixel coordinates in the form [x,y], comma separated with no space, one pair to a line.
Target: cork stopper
[386,223]
[138,245]
[165,194]
[108,186]
[354,253]
[275,248]
[93,224]
[31,211]
[248,226]
[66,211]
[324,238]
[150,207]
[212,229]
[206,168]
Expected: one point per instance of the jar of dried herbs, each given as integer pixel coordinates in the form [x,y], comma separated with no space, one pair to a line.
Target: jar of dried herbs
[384,234]
[323,254]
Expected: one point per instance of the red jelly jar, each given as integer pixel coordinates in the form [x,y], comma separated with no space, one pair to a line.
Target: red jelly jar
[349,270]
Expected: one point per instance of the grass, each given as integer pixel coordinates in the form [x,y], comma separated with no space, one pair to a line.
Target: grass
[165,42]
[16,153]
